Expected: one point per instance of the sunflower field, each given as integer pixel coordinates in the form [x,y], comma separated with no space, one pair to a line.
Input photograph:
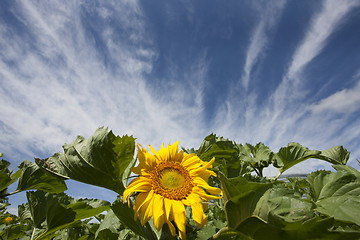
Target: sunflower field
[216,191]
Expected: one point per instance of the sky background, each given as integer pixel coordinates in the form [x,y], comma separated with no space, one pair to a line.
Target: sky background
[251,71]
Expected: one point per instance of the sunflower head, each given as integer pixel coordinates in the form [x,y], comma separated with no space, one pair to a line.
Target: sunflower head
[8,220]
[168,181]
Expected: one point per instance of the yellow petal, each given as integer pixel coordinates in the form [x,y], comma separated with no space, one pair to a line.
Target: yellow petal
[159,215]
[152,150]
[197,210]
[190,159]
[143,198]
[174,154]
[201,183]
[148,207]
[167,204]
[162,154]
[143,208]
[205,174]
[172,228]
[179,214]
[146,160]
[139,184]
[204,196]
[203,168]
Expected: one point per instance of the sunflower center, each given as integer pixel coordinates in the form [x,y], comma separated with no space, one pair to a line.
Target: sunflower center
[171,180]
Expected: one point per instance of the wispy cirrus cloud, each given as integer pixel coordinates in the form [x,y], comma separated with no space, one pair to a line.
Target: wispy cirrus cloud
[333,13]
[322,25]
[343,101]
[70,71]
[269,16]
[289,114]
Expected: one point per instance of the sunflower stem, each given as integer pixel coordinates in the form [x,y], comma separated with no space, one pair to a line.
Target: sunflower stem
[149,232]
[166,234]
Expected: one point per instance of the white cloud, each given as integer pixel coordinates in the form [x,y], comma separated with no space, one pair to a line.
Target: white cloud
[269,13]
[289,115]
[333,13]
[65,76]
[57,84]
[344,101]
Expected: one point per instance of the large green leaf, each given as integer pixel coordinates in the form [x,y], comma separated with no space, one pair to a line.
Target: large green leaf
[109,227]
[241,198]
[226,153]
[34,177]
[336,194]
[282,204]
[291,155]
[51,212]
[126,216]
[343,208]
[259,156]
[314,228]
[6,176]
[99,160]
[335,155]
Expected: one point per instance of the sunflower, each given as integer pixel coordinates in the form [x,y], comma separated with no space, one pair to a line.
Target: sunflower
[8,220]
[168,181]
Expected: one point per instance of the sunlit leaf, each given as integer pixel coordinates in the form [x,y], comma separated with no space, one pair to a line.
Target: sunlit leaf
[99,160]
[226,153]
[126,216]
[51,212]
[342,208]
[283,204]
[259,156]
[337,193]
[109,227]
[241,198]
[335,155]
[6,176]
[291,155]
[34,177]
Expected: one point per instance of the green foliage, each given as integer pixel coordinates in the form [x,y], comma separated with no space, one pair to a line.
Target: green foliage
[50,212]
[126,217]
[227,155]
[336,193]
[322,206]
[6,176]
[34,177]
[259,156]
[291,155]
[99,160]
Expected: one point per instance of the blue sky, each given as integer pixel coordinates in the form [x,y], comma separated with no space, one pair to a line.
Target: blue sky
[251,71]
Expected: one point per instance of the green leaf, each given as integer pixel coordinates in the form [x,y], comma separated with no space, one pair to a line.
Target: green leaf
[325,184]
[336,193]
[34,177]
[226,154]
[259,153]
[24,212]
[314,228]
[14,232]
[255,228]
[281,204]
[335,155]
[241,198]
[126,216]
[342,208]
[109,227]
[51,212]
[291,155]
[258,156]
[6,176]
[99,160]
